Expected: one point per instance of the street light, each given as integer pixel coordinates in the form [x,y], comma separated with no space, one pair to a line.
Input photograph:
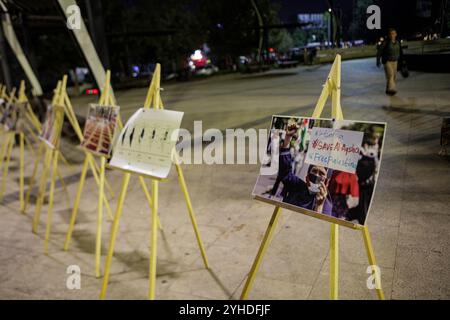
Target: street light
[330,26]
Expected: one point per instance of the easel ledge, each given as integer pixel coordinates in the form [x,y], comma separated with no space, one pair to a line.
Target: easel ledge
[135,173]
[153,95]
[331,88]
[311,213]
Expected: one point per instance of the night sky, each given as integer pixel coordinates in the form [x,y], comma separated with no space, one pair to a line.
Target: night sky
[290,8]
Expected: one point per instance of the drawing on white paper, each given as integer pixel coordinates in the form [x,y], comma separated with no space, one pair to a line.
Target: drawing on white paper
[146,142]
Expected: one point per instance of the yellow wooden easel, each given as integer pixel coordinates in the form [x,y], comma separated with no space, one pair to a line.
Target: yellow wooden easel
[30,127]
[34,129]
[63,107]
[7,145]
[106,99]
[51,163]
[332,87]
[153,95]
[3,95]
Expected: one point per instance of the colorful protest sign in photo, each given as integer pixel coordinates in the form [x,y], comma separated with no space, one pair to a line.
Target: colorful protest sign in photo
[326,166]
[146,142]
[334,148]
[98,134]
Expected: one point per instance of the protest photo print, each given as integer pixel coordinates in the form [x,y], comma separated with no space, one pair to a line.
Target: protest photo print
[325,166]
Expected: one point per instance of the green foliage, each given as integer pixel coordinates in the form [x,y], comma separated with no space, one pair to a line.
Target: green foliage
[301,37]
[447,18]
[281,39]
[231,26]
[177,27]
[357,29]
[56,54]
[151,31]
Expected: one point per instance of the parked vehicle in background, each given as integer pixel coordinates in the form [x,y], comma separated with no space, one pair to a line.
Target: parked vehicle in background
[290,59]
[267,61]
[200,64]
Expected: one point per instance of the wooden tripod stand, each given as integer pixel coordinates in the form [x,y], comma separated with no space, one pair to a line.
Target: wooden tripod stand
[106,99]
[63,108]
[332,87]
[153,95]
[29,126]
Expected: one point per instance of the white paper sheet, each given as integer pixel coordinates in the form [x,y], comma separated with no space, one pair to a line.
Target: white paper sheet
[146,142]
[334,148]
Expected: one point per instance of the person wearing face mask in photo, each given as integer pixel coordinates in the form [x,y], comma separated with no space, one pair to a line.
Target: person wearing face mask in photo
[311,194]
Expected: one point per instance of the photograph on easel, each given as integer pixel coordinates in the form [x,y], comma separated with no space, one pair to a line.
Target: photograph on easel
[100,127]
[146,142]
[50,133]
[13,117]
[2,105]
[326,166]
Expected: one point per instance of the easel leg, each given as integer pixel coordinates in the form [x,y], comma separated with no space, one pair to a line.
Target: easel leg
[27,143]
[33,176]
[6,167]
[110,190]
[41,192]
[5,146]
[51,197]
[73,217]
[63,183]
[149,197]
[262,250]
[153,243]
[114,229]
[334,261]
[22,173]
[192,215]
[65,161]
[98,241]
[372,262]
[93,166]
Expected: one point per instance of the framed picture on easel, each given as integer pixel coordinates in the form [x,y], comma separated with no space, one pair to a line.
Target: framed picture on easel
[146,142]
[99,130]
[51,129]
[13,117]
[323,167]
[328,168]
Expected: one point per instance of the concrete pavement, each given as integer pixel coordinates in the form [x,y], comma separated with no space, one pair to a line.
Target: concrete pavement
[409,220]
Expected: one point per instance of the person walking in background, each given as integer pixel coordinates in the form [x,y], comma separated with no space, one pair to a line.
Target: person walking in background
[390,52]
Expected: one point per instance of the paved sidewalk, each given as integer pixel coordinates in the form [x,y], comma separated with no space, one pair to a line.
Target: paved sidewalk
[409,220]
